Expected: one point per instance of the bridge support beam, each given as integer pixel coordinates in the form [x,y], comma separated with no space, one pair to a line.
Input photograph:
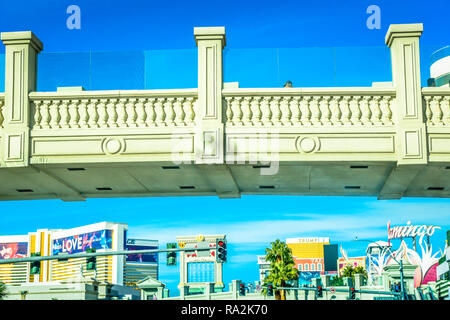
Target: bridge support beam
[21,53]
[209,142]
[411,144]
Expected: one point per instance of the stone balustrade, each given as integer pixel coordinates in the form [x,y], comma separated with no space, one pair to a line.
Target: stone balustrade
[116,109]
[310,107]
[437,106]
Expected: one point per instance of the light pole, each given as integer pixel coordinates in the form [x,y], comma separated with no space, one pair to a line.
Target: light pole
[402,288]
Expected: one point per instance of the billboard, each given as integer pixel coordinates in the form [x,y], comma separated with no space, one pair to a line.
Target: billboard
[13,250]
[305,277]
[101,239]
[138,244]
[330,253]
[200,272]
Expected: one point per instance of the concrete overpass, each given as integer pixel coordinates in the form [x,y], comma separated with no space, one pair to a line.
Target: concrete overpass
[390,140]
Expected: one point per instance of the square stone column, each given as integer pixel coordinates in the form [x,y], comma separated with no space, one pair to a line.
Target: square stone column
[21,53]
[411,142]
[209,142]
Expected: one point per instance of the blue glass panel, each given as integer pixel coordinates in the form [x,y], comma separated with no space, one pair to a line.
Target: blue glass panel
[63,70]
[171,69]
[117,70]
[307,67]
[360,66]
[252,68]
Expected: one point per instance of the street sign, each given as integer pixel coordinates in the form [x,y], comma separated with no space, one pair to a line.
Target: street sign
[332,290]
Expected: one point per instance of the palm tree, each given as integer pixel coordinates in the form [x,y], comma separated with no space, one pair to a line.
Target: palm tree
[350,271]
[2,290]
[282,267]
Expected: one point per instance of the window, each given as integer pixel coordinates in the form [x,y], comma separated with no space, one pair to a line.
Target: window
[319,266]
[306,267]
[300,267]
[313,267]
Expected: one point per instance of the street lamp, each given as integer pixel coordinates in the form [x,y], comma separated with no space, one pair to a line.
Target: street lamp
[402,288]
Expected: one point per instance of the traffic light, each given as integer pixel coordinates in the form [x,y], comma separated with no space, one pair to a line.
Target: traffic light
[91,262]
[35,267]
[172,255]
[242,289]
[352,294]
[270,290]
[319,291]
[221,248]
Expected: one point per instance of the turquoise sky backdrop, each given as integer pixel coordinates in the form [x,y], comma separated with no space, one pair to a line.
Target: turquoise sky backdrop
[150,44]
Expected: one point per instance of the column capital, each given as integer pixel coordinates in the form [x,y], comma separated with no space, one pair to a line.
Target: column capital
[403,31]
[210,33]
[22,37]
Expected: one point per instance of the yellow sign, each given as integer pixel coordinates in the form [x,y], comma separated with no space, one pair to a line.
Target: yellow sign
[200,237]
[181,244]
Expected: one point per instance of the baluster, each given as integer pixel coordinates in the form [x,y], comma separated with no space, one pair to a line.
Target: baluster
[391,108]
[386,113]
[436,111]
[445,106]
[266,112]
[229,111]
[102,114]
[82,110]
[286,113]
[73,113]
[54,114]
[179,113]
[276,112]
[344,105]
[168,109]
[315,110]
[325,110]
[131,112]
[111,109]
[366,114]
[428,112]
[45,114]
[37,114]
[335,110]
[256,111]
[64,122]
[193,110]
[355,110]
[92,113]
[246,112]
[160,115]
[376,111]
[295,110]
[306,111]
[121,113]
[150,112]
[237,111]
[189,111]
[1,113]
[140,112]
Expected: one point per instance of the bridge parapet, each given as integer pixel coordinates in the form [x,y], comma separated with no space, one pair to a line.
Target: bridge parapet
[317,107]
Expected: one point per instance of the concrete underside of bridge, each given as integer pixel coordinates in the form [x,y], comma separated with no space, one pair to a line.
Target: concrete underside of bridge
[72,182]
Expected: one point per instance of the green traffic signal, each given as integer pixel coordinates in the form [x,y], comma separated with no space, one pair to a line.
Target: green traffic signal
[91,262]
[35,267]
[171,256]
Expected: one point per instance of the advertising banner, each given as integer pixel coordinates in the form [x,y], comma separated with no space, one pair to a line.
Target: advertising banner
[13,250]
[101,239]
[200,272]
[305,277]
[142,257]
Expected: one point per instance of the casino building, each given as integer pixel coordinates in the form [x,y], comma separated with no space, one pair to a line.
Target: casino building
[103,236]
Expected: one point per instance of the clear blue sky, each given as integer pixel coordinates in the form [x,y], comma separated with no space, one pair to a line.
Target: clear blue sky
[313,43]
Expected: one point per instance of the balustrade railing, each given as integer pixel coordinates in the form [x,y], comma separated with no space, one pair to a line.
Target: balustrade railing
[138,109]
[437,106]
[324,107]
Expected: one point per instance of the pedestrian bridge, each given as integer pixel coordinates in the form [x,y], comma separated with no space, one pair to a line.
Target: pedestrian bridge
[390,140]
